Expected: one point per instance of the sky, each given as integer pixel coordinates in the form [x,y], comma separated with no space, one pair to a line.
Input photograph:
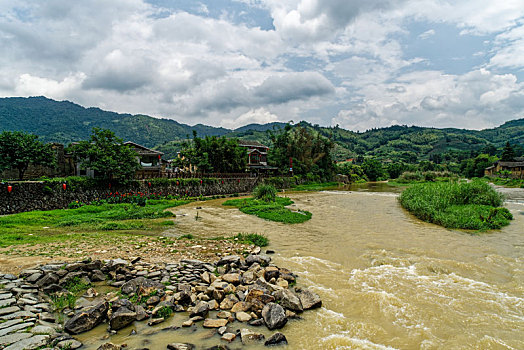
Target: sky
[359,64]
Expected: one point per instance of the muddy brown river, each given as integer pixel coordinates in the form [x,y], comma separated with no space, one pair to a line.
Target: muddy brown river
[387,280]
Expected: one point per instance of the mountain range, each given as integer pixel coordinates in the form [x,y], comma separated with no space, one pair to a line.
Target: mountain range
[64,122]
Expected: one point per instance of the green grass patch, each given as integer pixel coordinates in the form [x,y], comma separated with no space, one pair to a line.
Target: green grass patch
[252,238]
[45,226]
[469,206]
[273,211]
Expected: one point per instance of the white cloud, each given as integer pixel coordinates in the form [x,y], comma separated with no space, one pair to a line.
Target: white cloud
[475,100]
[321,57]
[260,116]
[427,34]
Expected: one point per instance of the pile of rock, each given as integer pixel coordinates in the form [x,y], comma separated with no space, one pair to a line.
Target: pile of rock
[235,289]
[26,319]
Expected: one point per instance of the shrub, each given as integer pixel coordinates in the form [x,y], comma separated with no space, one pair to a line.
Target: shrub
[252,238]
[267,193]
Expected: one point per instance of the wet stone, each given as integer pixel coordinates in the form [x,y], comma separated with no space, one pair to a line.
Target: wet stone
[13,338]
[29,343]
[15,328]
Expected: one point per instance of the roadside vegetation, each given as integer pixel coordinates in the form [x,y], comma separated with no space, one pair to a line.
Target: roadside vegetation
[469,206]
[45,226]
[266,205]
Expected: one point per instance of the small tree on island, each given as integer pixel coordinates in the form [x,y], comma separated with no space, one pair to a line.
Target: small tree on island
[18,150]
[107,155]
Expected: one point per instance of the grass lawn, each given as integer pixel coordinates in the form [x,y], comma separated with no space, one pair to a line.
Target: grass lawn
[470,206]
[273,211]
[52,225]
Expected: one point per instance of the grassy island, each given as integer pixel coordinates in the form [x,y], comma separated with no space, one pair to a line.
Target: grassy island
[469,206]
[267,205]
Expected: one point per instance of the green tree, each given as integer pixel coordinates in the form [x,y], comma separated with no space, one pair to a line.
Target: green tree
[395,170]
[475,167]
[214,154]
[107,155]
[373,169]
[18,150]
[508,153]
[310,152]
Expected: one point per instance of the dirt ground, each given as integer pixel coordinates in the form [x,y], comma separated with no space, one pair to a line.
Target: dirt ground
[150,249]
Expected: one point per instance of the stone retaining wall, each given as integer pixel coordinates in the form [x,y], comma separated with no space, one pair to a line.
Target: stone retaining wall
[28,196]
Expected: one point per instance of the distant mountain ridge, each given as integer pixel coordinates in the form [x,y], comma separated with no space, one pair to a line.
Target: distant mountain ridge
[64,121]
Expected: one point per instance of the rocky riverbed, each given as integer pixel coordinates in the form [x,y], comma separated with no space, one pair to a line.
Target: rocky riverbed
[46,306]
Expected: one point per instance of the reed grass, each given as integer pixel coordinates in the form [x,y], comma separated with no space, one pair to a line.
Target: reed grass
[470,206]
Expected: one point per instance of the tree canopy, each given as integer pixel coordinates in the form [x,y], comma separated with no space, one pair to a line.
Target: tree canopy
[508,153]
[213,155]
[18,150]
[310,152]
[107,155]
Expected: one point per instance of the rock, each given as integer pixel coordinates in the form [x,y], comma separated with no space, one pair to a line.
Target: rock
[180,346]
[224,314]
[155,299]
[69,344]
[15,327]
[230,259]
[228,302]
[141,313]
[261,259]
[288,300]
[229,337]
[309,300]
[274,316]
[201,309]
[122,318]
[276,339]
[88,319]
[187,323]
[231,278]
[34,342]
[214,323]
[155,321]
[257,298]
[271,272]
[256,323]
[8,310]
[269,251]
[13,338]
[248,277]
[142,285]
[40,329]
[97,276]
[249,337]
[241,306]
[222,330]
[117,304]
[47,280]
[243,317]
[108,346]
[34,277]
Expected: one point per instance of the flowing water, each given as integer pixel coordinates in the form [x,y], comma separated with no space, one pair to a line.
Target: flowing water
[387,280]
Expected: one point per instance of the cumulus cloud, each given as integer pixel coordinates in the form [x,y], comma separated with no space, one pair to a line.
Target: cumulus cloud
[477,99]
[319,58]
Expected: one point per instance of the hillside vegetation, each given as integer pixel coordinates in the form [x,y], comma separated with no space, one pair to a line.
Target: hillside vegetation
[65,122]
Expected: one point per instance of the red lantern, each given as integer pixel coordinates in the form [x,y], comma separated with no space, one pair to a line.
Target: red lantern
[222,182]
[159,157]
[238,180]
[109,185]
[177,182]
[64,186]
[9,188]
[201,182]
[149,183]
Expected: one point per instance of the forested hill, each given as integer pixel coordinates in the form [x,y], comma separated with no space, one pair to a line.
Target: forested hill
[65,122]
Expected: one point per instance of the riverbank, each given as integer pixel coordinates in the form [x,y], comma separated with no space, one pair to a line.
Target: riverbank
[59,304]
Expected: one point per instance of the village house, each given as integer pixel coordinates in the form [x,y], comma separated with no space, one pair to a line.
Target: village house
[515,168]
[256,156]
[151,163]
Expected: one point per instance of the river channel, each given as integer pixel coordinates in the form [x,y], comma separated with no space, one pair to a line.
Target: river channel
[387,280]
